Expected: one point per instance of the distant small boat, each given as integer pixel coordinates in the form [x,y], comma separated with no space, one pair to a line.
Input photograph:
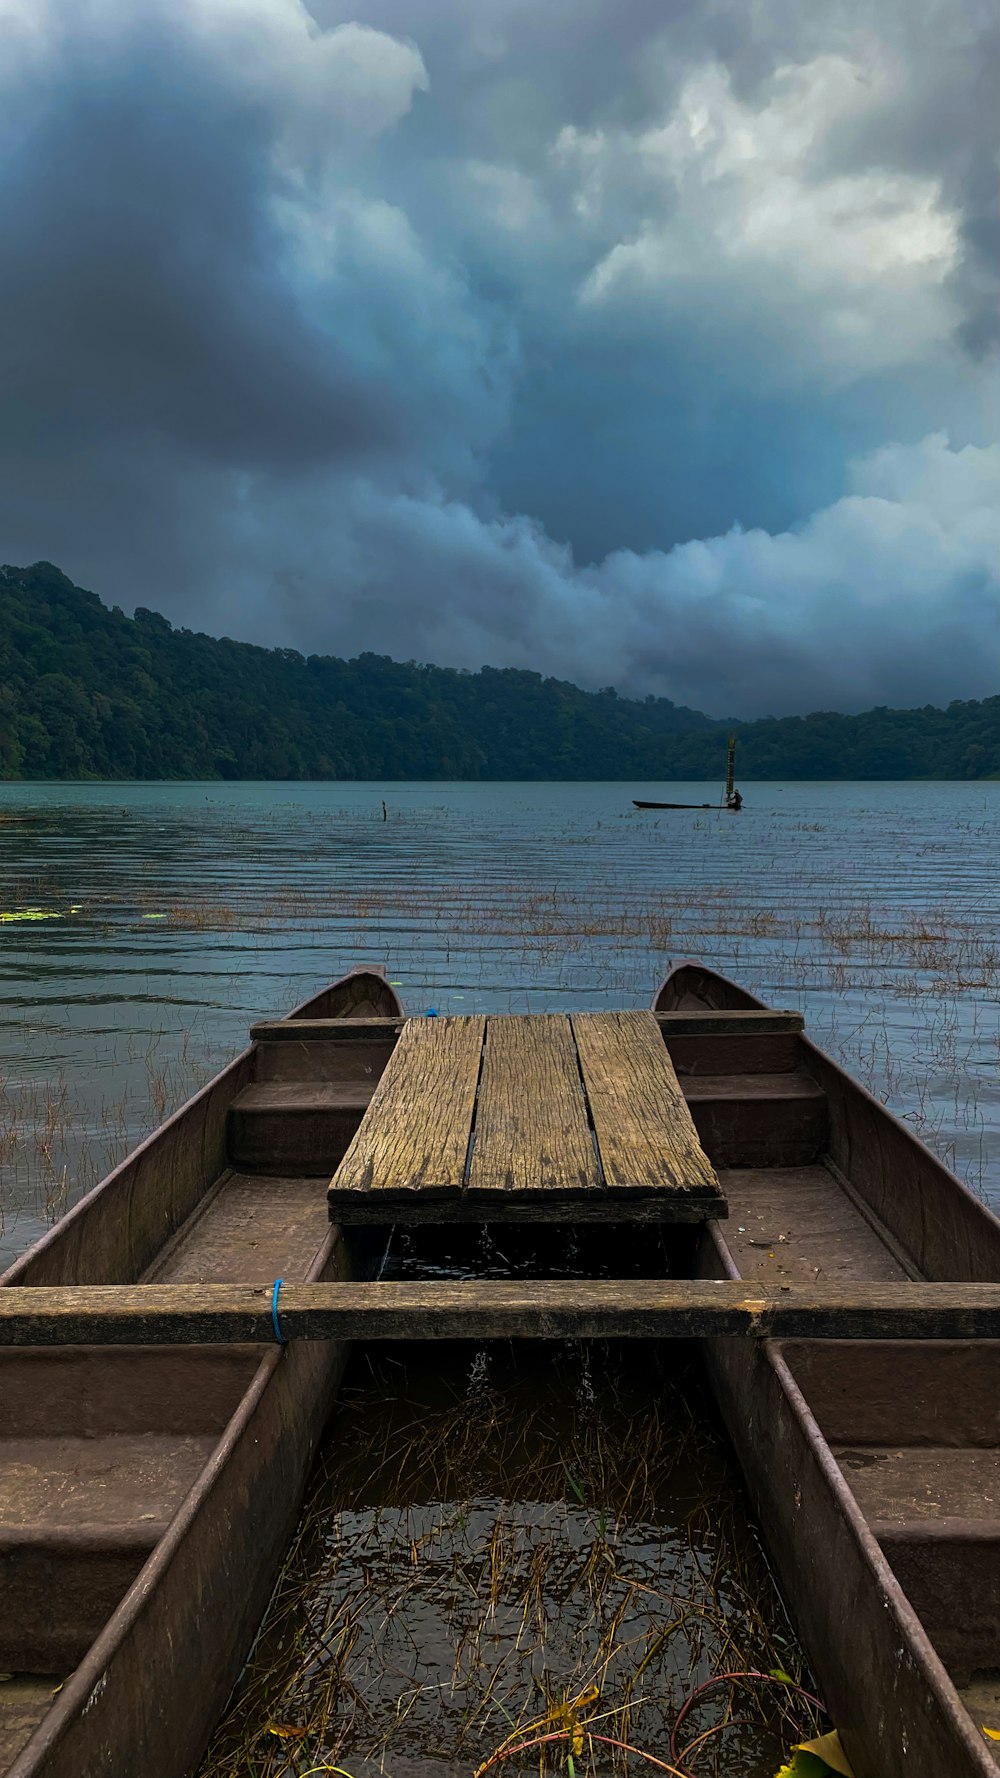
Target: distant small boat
[731,797]
[638,805]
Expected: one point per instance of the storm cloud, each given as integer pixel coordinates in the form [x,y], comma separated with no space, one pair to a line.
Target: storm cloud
[642,346]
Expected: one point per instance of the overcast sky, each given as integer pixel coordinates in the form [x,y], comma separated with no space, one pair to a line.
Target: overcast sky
[642,342]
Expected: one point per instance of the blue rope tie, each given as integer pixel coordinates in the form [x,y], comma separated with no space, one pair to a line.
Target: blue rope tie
[279,1336]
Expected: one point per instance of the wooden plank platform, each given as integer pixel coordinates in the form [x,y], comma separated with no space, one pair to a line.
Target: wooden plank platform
[541,1118]
[185,1314]
[531,1127]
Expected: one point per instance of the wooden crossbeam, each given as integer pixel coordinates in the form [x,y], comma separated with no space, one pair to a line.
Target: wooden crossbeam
[741,1022]
[324,1030]
[150,1314]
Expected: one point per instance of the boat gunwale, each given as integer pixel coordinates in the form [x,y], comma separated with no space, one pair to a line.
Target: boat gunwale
[878,1569]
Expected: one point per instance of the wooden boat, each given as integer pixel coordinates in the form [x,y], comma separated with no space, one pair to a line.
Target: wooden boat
[147,1495]
[732,801]
[874,1467]
[638,805]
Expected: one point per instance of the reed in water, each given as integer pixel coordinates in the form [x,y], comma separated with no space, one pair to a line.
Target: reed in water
[511,1557]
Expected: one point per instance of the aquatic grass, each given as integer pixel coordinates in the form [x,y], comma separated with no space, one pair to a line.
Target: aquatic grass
[449,1595]
[54,1146]
[863,977]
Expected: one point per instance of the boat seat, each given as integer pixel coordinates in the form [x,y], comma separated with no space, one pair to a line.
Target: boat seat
[79,1518]
[286,1127]
[915,1429]
[936,1513]
[98,1449]
[759,1120]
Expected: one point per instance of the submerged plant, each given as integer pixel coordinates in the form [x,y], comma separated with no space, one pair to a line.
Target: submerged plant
[492,1575]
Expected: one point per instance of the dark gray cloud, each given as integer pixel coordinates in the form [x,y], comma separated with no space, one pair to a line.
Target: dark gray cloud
[472,332]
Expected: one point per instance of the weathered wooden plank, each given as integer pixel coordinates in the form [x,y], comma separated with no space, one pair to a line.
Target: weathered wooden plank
[746,1021]
[695,1053]
[326,1030]
[632,1204]
[645,1134]
[582,1309]
[532,1131]
[318,1060]
[415,1137]
[759,1120]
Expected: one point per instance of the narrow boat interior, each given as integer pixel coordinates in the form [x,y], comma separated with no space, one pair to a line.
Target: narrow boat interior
[915,1430]
[99,1447]
[829,1188]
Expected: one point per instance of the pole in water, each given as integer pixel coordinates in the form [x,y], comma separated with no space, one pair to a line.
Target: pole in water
[733,798]
[385,812]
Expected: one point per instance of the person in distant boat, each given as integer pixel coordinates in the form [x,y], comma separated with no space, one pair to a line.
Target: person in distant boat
[734,800]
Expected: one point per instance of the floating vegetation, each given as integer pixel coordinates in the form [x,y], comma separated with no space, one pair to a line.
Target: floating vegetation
[21,916]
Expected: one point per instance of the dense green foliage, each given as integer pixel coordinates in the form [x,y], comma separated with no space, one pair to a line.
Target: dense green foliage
[86,692]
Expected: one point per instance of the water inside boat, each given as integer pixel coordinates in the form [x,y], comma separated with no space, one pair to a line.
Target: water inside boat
[509,1541]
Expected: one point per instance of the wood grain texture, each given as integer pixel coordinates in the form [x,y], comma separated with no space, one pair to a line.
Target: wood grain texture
[743,1023]
[416,1134]
[759,1120]
[374,1030]
[645,1134]
[413,1209]
[532,1130]
[533,1155]
[153,1314]
[720,1052]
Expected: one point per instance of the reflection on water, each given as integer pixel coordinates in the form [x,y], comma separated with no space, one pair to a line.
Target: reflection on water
[198,908]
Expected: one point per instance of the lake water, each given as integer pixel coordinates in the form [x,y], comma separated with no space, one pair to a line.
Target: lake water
[185,911]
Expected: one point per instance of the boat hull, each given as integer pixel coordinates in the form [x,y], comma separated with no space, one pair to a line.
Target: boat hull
[881,1665]
[153,1639]
[881,1679]
[147,1696]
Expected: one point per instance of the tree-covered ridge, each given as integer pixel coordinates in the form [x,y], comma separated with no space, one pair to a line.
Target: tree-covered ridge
[86,692]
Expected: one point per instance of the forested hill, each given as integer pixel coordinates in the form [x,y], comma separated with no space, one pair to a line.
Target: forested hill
[86,692]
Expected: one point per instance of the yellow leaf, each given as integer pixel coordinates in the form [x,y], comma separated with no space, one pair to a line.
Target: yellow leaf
[821,1758]
[286,1731]
[994,1734]
[828,1748]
